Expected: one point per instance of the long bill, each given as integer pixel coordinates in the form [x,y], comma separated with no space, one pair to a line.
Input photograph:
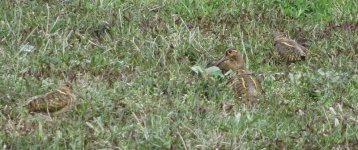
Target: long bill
[222,59]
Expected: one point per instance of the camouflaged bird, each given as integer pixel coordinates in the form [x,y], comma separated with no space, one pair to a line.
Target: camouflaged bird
[54,102]
[288,49]
[232,60]
[243,82]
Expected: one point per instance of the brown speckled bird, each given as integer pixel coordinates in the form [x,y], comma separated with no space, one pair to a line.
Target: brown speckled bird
[232,60]
[243,82]
[288,49]
[54,102]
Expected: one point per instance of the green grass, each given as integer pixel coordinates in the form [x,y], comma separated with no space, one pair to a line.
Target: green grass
[132,60]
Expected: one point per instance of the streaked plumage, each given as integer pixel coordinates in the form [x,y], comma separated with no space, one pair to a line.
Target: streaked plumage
[243,82]
[54,102]
[288,49]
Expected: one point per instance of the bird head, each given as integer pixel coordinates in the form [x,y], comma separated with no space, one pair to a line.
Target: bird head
[232,60]
[66,87]
[234,55]
[278,35]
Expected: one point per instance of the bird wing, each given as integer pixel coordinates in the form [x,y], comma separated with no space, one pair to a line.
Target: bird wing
[247,85]
[254,87]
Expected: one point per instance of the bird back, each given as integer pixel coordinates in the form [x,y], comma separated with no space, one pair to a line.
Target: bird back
[52,102]
[246,85]
[289,50]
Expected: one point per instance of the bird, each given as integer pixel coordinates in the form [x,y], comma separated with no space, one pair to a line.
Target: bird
[232,60]
[243,81]
[288,49]
[54,102]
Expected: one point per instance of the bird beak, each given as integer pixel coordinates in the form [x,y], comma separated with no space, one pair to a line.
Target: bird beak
[222,59]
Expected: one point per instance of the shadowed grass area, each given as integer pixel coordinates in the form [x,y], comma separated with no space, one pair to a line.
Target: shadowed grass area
[131,62]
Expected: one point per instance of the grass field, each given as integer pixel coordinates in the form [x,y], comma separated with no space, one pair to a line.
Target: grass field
[131,62]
